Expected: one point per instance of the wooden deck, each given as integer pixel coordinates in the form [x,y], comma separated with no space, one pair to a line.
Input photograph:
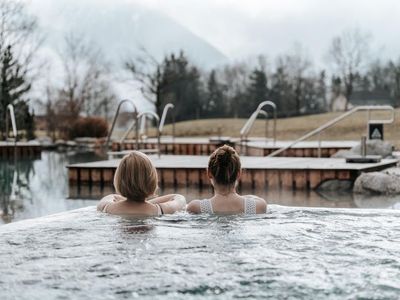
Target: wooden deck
[20,150]
[178,145]
[254,147]
[301,149]
[259,172]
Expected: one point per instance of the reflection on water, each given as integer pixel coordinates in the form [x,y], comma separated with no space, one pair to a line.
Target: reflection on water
[35,187]
[32,188]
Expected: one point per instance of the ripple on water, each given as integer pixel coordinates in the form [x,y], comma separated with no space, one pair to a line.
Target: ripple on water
[288,253]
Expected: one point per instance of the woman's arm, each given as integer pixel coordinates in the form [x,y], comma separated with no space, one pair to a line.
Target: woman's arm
[193,207]
[170,203]
[162,199]
[105,201]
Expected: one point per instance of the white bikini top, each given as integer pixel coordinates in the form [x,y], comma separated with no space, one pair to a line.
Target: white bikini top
[250,205]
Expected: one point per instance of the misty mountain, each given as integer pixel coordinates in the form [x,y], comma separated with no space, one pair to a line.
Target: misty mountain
[121,29]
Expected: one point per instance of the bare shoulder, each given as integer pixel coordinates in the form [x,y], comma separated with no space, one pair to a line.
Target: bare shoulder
[261,204]
[193,207]
[105,201]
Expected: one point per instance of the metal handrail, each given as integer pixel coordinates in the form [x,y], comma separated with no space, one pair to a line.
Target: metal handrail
[250,122]
[142,118]
[135,117]
[161,125]
[329,124]
[10,108]
[164,117]
[265,114]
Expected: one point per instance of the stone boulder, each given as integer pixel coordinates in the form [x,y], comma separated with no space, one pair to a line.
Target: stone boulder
[377,183]
[336,185]
[374,147]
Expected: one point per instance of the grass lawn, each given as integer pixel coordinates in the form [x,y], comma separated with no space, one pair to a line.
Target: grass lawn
[292,128]
[287,129]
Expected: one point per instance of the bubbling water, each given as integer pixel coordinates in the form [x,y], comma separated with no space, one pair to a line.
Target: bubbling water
[287,253]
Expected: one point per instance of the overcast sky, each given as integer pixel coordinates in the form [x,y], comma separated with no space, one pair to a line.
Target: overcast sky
[242,28]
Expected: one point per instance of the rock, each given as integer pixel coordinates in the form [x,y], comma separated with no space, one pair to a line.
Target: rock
[392,171]
[336,185]
[377,183]
[342,154]
[374,147]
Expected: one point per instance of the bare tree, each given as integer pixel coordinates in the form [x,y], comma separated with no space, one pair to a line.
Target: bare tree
[348,53]
[298,64]
[235,78]
[86,88]
[148,72]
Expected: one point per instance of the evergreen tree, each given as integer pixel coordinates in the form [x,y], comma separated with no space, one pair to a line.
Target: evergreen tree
[281,92]
[214,105]
[321,91]
[257,92]
[182,86]
[13,85]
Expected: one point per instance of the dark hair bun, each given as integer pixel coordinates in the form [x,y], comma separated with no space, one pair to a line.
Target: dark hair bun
[224,165]
[223,155]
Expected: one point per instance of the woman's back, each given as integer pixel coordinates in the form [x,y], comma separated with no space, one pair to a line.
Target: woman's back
[224,171]
[236,204]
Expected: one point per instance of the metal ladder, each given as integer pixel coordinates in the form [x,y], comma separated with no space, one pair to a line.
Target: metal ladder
[244,132]
[135,120]
[140,131]
[329,124]
[161,124]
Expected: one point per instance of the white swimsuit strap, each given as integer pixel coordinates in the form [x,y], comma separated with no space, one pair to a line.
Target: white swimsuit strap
[250,206]
[206,207]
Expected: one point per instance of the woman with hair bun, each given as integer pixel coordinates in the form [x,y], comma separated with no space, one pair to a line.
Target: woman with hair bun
[224,170]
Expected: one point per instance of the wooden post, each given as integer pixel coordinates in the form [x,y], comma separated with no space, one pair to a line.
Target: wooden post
[259,178]
[287,179]
[84,176]
[273,178]
[315,178]
[193,177]
[108,175]
[180,177]
[300,179]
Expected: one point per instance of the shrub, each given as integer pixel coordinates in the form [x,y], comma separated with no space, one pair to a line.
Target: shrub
[89,127]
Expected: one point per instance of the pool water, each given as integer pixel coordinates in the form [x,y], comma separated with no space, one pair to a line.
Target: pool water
[289,253]
[38,187]
[32,188]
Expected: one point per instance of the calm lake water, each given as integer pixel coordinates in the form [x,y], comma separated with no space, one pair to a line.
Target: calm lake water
[38,187]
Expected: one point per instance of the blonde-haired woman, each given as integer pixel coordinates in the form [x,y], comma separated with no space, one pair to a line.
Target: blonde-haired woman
[135,181]
[224,170]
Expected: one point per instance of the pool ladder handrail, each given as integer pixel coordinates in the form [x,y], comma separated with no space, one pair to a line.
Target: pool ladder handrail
[329,124]
[160,125]
[10,109]
[167,107]
[135,117]
[244,132]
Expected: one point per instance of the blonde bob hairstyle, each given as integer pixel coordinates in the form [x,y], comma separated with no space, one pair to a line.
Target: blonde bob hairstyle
[136,177]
